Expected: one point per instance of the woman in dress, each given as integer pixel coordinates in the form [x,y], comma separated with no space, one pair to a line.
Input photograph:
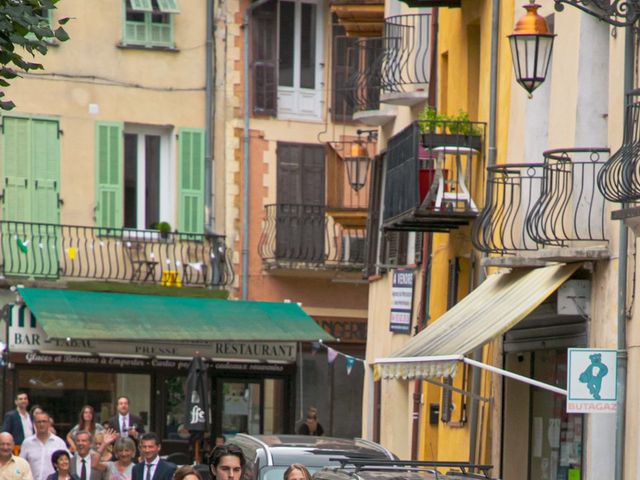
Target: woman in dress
[61,463]
[86,423]
[106,452]
[125,450]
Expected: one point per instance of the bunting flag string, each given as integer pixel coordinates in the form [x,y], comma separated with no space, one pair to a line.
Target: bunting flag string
[332,354]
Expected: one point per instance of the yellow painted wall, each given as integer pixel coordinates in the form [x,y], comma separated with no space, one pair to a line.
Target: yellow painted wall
[137,85]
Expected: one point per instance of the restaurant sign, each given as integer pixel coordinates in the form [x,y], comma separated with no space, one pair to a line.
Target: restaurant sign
[26,335]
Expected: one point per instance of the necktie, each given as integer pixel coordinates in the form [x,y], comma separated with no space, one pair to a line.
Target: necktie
[83,470]
[124,426]
[148,477]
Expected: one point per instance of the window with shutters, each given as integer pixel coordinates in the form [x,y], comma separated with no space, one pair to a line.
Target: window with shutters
[287,59]
[31,169]
[139,177]
[149,23]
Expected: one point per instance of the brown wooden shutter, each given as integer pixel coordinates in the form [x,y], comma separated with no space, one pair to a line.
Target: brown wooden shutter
[264,58]
[373,219]
[341,108]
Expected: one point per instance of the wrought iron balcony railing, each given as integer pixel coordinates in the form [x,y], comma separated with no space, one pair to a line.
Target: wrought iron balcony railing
[41,250]
[619,179]
[305,235]
[364,65]
[406,63]
[554,203]
[433,176]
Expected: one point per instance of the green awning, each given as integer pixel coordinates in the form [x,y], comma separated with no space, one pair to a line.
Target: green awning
[118,316]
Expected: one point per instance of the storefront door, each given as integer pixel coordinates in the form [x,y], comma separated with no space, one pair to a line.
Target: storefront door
[253,406]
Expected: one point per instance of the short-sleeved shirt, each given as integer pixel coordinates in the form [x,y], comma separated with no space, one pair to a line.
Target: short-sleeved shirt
[16,469]
[38,454]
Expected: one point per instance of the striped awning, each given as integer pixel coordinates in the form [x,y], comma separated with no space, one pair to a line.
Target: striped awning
[493,308]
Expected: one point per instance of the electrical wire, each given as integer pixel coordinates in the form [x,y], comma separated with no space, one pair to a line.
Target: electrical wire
[99,80]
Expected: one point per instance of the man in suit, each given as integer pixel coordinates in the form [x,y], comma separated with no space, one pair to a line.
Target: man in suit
[18,422]
[84,462]
[127,424]
[152,467]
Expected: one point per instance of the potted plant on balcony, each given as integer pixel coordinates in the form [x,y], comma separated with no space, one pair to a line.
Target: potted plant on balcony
[164,228]
[454,131]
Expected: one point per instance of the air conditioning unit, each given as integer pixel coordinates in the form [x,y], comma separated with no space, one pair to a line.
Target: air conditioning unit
[353,249]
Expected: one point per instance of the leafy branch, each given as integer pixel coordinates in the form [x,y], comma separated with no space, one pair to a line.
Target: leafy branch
[25,30]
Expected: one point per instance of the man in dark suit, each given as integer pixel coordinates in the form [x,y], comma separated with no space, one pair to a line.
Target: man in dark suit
[127,424]
[84,461]
[153,467]
[18,422]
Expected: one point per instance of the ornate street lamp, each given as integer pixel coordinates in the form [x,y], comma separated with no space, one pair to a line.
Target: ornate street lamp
[357,164]
[357,161]
[531,46]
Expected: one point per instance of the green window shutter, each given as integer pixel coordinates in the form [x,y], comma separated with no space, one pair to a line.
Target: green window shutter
[109,174]
[168,6]
[191,181]
[16,149]
[45,147]
[141,5]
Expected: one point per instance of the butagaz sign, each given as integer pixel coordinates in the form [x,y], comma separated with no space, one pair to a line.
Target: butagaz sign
[26,335]
[401,301]
[592,380]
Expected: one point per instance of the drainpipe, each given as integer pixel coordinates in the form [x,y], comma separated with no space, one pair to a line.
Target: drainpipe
[423,319]
[622,294]
[245,154]
[209,185]
[491,160]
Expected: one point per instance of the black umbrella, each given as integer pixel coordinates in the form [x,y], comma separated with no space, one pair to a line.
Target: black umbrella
[197,404]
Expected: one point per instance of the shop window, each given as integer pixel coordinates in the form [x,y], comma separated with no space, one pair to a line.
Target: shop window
[149,23]
[175,388]
[62,394]
[555,436]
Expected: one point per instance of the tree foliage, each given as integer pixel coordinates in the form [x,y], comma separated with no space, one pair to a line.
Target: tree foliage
[25,32]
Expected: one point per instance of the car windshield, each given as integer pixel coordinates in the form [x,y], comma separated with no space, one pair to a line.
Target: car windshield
[277,473]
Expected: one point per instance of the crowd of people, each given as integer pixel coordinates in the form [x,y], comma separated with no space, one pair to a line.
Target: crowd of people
[120,449]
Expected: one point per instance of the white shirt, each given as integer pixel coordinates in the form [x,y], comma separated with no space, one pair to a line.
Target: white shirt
[27,426]
[125,419]
[78,459]
[152,466]
[38,454]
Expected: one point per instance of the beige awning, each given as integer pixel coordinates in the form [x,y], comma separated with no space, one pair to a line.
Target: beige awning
[493,308]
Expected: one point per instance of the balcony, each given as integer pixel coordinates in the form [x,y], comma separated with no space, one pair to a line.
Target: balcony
[619,179]
[308,237]
[550,211]
[50,251]
[406,64]
[362,88]
[433,176]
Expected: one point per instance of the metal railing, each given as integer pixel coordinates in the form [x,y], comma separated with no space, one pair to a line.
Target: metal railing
[364,64]
[406,62]
[553,203]
[41,250]
[433,174]
[619,179]
[307,236]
